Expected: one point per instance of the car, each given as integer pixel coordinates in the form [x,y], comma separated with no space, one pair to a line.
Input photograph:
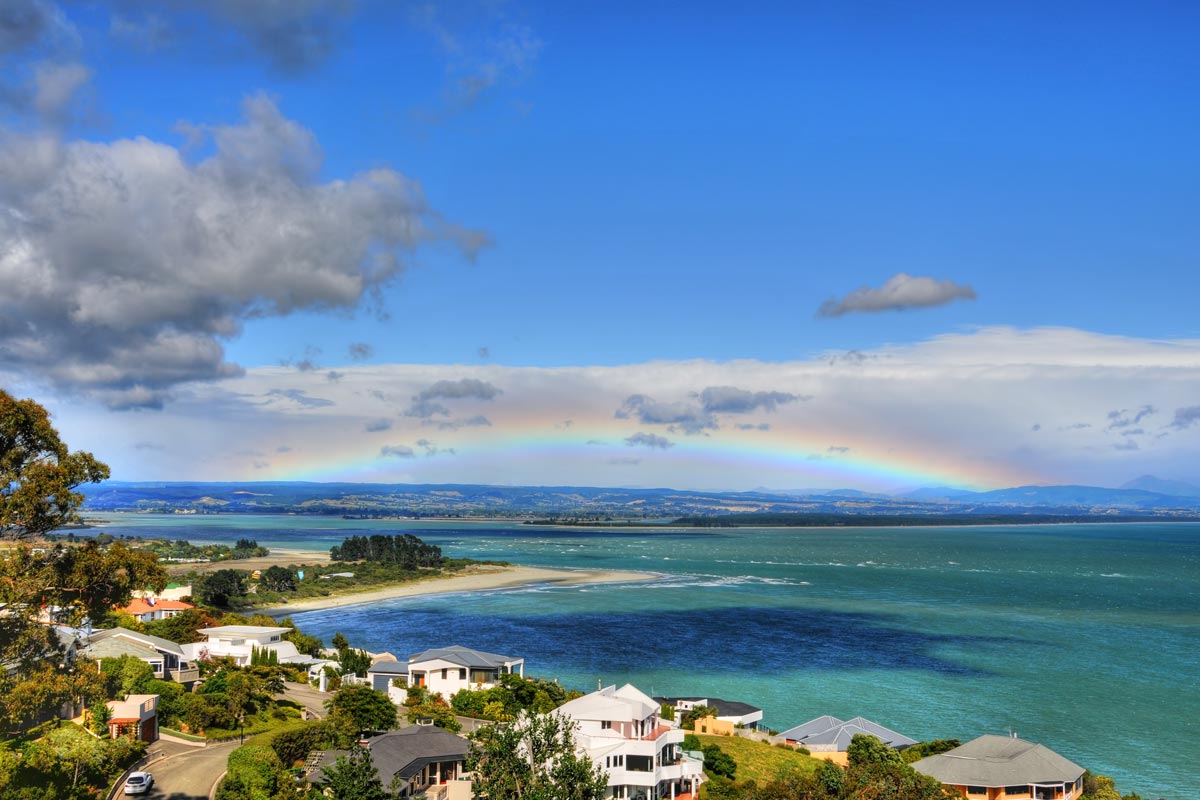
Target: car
[138,783]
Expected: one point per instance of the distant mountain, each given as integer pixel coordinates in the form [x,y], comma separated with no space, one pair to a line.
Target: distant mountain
[1149,483]
[1083,497]
[939,494]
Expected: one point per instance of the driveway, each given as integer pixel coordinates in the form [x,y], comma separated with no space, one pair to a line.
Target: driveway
[190,775]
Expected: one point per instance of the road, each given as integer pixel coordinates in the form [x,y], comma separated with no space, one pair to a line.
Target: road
[190,775]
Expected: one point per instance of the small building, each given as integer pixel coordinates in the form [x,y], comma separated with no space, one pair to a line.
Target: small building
[240,641]
[382,676]
[446,670]
[1005,768]
[168,660]
[621,731]
[148,609]
[829,737]
[419,761]
[736,714]
[135,717]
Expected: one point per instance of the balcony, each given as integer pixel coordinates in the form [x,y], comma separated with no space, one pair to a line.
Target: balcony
[190,675]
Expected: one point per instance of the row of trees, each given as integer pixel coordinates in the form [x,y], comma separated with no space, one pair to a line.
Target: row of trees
[404,550]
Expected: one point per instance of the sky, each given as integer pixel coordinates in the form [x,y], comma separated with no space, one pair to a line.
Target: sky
[780,245]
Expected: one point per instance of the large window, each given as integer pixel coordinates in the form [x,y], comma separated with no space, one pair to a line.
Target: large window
[1016,791]
[979,790]
[639,763]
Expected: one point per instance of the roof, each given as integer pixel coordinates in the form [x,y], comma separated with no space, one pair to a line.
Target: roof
[241,630]
[833,731]
[463,656]
[994,760]
[389,668]
[406,752]
[725,708]
[139,605]
[613,704]
[156,642]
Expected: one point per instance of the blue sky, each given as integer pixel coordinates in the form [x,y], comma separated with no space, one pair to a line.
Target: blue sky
[487,188]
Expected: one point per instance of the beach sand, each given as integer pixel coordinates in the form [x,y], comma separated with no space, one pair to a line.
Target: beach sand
[280,556]
[478,579]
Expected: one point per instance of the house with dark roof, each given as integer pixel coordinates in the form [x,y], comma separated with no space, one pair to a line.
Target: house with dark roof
[421,760]
[1005,768]
[382,677]
[165,657]
[829,737]
[731,711]
[446,670]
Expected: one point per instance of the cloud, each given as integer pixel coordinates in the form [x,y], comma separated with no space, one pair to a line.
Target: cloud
[360,351]
[283,448]
[750,426]
[333,376]
[377,425]
[1120,418]
[1186,417]
[624,462]
[484,352]
[1076,426]
[55,86]
[23,23]
[900,292]
[686,417]
[839,449]
[396,451]
[149,446]
[424,403]
[650,440]
[301,398]
[596,443]
[731,400]
[125,266]
[1128,444]
[477,421]
[1036,427]
[432,449]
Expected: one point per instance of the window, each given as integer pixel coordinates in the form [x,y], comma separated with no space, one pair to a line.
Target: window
[462,674]
[619,761]
[605,724]
[1016,791]
[640,764]
[977,790]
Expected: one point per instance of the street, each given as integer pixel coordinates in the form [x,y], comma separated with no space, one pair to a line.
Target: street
[189,775]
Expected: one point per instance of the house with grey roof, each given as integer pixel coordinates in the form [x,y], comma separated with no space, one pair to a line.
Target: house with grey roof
[1004,768]
[165,657]
[382,676]
[740,714]
[829,737]
[421,760]
[446,670]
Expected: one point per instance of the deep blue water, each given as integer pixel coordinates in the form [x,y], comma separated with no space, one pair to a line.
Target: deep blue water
[1083,637]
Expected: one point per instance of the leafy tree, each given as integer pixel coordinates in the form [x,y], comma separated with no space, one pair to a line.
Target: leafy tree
[38,475]
[366,709]
[689,717]
[405,550]
[278,579]
[253,772]
[340,642]
[865,749]
[926,749]
[718,762]
[354,777]
[126,675]
[182,627]
[354,662]
[423,705]
[1099,787]
[533,758]
[667,711]
[218,588]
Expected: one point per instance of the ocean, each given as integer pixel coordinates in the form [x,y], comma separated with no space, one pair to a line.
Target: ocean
[1085,638]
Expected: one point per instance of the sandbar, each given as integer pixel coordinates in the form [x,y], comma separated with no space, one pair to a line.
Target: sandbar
[481,578]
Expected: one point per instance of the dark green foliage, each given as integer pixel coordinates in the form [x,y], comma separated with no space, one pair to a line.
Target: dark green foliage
[309,645]
[405,550]
[926,749]
[263,657]
[353,777]
[363,708]
[867,750]
[354,662]
[533,758]
[293,744]
[220,587]
[248,548]
[182,627]
[507,700]
[277,579]
[423,705]
[689,717]
[718,762]
[125,675]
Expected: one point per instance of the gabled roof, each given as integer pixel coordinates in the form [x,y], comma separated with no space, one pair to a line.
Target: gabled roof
[406,752]
[464,657]
[839,734]
[388,668]
[725,708]
[140,605]
[999,761]
[242,630]
[145,639]
[626,704]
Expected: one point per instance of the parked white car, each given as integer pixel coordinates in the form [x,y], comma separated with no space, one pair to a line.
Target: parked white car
[139,783]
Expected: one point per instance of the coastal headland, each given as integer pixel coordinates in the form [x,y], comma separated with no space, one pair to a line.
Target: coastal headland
[481,578]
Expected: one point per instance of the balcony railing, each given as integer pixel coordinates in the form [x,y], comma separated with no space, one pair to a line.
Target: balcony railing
[189,675]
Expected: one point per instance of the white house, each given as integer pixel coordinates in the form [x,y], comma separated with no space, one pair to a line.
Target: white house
[169,660]
[446,670]
[239,642]
[620,730]
[731,711]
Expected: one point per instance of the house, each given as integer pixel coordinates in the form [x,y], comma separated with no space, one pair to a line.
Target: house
[620,730]
[1005,767]
[240,641]
[737,714]
[135,717]
[174,591]
[417,761]
[148,609]
[829,737]
[382,675]
[168,660]
[446,670]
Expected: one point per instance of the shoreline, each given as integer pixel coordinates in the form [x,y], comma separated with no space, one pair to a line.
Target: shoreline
[485,579]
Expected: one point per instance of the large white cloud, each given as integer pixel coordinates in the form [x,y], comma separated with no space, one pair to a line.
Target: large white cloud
[125,265]
[998,406]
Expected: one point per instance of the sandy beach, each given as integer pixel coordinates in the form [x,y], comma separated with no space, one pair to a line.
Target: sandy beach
[479,579]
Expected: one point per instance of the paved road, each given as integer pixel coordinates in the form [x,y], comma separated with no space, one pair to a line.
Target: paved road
[308,697]
[190,775]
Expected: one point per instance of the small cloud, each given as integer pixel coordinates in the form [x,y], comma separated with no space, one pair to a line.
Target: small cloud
[1186,417]
[650,440]
[900,292]
[477,421]
[283,448]
[360,351]
[1036,427]
[750,426]
[1077,426]
[431,449]
[624,462]
[397,451]
[855,358]
[484,352]
[1121,418]
[839,449]
[333,376]
[595,443]
[424,403]
[300,397]
[687,418]
[732,400]
[1128,444]
[261,464]
[1133,432]
[148,446]
[564,425]
[377,425]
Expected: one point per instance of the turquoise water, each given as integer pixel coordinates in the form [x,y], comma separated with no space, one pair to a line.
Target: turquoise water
[1083,637]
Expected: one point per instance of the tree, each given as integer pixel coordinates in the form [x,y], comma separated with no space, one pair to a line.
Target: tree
[38,475]
[183,627]
[220,587]
[865,749]
[533,758]
[354,777]
[278,579]
[363,708]
[126,675]
[697,712]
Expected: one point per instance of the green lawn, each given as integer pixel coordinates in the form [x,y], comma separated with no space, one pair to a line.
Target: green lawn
[759,761]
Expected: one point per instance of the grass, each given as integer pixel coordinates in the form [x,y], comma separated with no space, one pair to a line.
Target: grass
[181,735]
[759,761]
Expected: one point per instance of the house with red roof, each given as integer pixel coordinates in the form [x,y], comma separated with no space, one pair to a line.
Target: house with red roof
[147,609]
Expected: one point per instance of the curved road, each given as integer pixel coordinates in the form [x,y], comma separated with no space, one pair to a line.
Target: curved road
[190,775]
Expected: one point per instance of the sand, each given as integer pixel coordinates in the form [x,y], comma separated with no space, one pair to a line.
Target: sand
[478,579]
[282,557]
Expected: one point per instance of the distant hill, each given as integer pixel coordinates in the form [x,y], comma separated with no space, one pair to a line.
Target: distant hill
[1150,483]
